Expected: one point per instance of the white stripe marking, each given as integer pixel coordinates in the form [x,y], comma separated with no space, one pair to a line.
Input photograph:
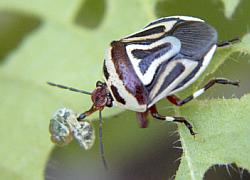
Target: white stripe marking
[206,61]
[190,65]
[148,76]
[168,26]
[187,18]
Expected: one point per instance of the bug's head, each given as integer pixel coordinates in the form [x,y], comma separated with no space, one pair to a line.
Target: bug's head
[101,96]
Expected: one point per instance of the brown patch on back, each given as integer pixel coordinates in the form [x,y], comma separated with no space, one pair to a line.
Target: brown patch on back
[126,72]
[105,71]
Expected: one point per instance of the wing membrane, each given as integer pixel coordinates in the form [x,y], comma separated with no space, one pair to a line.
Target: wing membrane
[196,38]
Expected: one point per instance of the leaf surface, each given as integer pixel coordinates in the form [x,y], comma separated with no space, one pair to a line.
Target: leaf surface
[223,128]
[62,51]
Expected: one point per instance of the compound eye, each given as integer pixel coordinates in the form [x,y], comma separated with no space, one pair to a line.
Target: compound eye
[99,84]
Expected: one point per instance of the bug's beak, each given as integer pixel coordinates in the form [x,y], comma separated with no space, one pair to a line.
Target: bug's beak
[89,112]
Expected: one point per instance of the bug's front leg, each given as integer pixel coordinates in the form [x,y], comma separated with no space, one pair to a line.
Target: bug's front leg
[179,102]
[156,115]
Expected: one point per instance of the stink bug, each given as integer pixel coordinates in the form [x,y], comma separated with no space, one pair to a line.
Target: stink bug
[163,58]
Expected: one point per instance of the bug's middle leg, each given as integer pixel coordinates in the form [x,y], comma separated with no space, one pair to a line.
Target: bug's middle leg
[179,102]
[156,115]
[142,119]
[228,42]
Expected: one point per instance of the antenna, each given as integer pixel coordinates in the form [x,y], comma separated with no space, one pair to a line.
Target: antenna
[101,142]
[69,88]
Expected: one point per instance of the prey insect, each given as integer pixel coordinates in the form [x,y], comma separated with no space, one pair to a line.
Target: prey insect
[163,58]
[64,126]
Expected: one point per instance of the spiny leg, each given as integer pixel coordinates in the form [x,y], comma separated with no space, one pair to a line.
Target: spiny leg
[156,115]
[228,42]
[175,100]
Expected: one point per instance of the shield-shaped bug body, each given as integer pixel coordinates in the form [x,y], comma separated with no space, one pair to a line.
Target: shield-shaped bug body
[163,58]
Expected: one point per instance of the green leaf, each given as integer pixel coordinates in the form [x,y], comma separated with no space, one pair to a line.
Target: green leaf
[58,10]
[59,51]
[223,128]
[221,56]
[222,125]
[46,56]
[24,130]
[62,51]
[230,6]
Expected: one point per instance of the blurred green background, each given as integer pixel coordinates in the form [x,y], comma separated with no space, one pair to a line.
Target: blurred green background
[64,42]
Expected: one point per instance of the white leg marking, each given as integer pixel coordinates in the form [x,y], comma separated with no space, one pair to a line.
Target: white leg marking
[168,118]
[198,93]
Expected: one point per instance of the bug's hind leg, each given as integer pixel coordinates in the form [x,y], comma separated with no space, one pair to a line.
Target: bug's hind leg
[228,42]
[156,115]
[175,100]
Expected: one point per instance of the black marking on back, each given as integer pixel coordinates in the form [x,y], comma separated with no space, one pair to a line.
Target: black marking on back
[148,32]
[190,76]
[117,95]
[144,41]
[149,55]
[161,20]
[175,73]
[196,38]
[105,71]
[144,53]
